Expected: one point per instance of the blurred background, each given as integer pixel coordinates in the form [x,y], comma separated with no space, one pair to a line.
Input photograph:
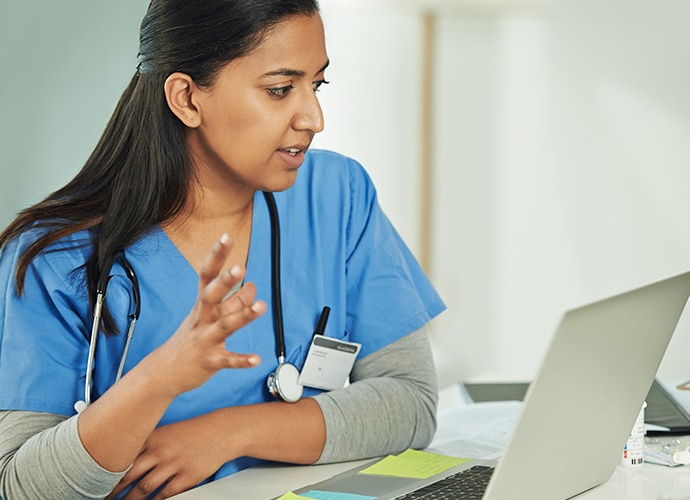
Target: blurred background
[534,154]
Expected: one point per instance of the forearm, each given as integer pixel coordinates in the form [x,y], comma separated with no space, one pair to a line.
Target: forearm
[32,442]
[276,431]
[114,428]
[389,407]
[184,453]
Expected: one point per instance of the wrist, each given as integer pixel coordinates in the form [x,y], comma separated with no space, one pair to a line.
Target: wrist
[160,372]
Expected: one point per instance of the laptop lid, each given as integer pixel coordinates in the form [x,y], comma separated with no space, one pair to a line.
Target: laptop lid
[665,411]
[579,410]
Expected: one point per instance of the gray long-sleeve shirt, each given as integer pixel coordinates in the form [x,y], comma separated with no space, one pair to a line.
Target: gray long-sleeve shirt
[390,404]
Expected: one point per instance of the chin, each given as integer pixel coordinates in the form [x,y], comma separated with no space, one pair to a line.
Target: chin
[283,184]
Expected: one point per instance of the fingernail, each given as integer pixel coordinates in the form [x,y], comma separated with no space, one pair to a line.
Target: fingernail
[256,307]
[236,271]
[254,360]
[225,238]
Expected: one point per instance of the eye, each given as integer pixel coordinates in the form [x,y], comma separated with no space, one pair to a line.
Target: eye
[280,91]
[317,84]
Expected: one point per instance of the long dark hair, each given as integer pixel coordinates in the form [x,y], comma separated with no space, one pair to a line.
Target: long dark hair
[139,172]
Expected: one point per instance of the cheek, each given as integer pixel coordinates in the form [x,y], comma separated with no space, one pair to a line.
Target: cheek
[246,124]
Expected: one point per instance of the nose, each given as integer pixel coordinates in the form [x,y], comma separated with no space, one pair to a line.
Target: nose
[309,115]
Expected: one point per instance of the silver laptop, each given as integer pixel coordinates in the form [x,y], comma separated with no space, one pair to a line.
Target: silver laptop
[579,410]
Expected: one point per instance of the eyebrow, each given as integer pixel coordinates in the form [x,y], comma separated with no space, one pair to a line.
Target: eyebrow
[292,72]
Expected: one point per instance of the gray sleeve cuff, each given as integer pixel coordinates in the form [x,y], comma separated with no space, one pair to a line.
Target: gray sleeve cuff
[389,406]
[42,456]
[84,474]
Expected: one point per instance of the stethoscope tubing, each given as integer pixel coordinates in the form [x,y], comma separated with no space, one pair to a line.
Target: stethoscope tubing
[101,289]
[98,308]
[275,278]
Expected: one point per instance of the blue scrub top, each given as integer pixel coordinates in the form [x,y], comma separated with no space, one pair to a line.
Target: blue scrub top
[338,249]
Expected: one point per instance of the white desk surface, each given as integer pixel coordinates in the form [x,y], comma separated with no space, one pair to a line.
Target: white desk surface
[263,482]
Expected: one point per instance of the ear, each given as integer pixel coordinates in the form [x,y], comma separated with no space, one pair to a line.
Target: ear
[180,93]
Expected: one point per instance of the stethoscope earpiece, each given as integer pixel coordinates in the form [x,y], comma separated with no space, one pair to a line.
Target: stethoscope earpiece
[284,383]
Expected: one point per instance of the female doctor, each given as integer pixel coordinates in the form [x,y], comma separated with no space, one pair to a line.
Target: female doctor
[169,216]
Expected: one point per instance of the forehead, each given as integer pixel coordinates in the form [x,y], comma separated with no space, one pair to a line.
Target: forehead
[297,43]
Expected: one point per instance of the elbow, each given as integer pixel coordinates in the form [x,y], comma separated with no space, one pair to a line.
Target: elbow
[426,421]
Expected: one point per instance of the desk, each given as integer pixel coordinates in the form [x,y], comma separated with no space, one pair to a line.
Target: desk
[647,482]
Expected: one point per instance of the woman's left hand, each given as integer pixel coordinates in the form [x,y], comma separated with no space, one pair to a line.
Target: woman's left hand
[175,457]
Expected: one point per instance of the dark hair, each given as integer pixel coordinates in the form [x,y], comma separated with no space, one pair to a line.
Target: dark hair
[139,172]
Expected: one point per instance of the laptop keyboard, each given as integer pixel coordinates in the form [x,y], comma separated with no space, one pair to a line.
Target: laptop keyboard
[468,484]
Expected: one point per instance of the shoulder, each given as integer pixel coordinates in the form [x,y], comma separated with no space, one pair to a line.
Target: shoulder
[321,162]
[57,261]
[77,239]
[324,157]
[334,177]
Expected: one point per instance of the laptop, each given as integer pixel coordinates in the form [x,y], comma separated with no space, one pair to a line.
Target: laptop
[664,414]
[578,411]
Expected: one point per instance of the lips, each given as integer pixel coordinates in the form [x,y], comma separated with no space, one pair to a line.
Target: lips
[293,151]
[293,156]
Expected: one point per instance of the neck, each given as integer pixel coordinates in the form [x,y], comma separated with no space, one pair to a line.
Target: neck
[197,228]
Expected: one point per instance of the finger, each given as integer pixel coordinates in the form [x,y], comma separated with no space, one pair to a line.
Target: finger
[174,486]
[215,260]
[130,477]
[147,485]
[143,465]
[212,295]
[231,322]
[228,324]
[243,298]
[236,361]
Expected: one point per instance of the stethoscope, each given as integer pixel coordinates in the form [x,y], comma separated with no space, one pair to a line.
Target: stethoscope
[101,288]
[283,383]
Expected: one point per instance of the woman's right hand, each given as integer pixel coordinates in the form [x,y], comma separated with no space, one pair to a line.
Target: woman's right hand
[116,426]
[197,350]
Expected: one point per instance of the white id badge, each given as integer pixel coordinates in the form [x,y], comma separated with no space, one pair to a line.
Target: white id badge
[328,363]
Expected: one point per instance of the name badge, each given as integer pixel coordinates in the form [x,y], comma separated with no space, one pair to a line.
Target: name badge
[328,363]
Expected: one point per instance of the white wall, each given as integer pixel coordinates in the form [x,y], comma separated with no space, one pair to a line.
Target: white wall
[561,155]
[561,145]
[63,65]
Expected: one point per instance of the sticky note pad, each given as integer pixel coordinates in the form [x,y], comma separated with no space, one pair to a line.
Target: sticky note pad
[413,464]
[324,495]
[330,495]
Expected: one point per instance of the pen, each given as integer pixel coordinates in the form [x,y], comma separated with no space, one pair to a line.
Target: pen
[321,324]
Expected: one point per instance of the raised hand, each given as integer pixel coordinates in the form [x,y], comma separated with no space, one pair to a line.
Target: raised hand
[197,349]
[115,428]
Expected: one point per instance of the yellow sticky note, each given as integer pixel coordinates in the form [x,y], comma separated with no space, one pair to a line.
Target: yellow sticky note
[291,496]
[413,464]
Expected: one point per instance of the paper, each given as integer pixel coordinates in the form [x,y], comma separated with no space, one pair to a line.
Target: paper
[479,430]
[413,464]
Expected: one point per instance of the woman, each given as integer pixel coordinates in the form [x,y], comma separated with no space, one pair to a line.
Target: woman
[221,110]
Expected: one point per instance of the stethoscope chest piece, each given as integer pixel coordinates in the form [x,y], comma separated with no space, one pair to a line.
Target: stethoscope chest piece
[284,383]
